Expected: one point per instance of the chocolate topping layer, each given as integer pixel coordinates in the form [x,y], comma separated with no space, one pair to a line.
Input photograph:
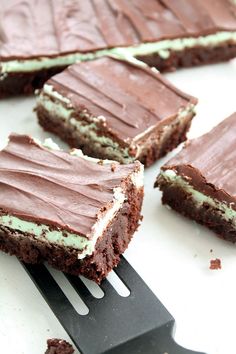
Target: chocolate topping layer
[208,162]
[132,98]
[32,28]
[53,187]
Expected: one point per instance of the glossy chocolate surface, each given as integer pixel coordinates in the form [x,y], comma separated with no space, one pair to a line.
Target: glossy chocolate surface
[209,162]
[132,98]
[54,187]
[32,28]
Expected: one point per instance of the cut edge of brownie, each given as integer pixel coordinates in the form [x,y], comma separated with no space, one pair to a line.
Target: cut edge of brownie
[203,209]
[25,83]
[190,57]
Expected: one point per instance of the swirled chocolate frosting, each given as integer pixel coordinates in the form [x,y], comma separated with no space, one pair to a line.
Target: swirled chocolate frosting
[208,162]
[54,187]
[32,28]
[132,98]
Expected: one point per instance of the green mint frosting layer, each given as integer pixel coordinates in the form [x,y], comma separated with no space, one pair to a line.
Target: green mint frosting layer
[162,48]
[62,109]
[64,238]
[199,198]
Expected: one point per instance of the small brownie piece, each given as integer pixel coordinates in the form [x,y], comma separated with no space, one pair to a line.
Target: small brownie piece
[59,346]
[200,181]
[113,109]
[39,38]
[67,209]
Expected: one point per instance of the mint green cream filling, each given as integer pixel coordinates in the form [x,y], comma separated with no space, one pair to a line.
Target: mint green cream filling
[64,112]
[53,236]
[162,48]
[62,109]
[47,62]
[199,198]
[65,238]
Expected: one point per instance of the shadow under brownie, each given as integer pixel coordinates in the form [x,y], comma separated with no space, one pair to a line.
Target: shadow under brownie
[74,212]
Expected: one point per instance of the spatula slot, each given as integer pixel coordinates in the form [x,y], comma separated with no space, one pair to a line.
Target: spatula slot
[118,285]
[94,288]
[69,291]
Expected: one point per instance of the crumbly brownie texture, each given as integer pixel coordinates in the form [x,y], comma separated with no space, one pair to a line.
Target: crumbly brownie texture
[59,346]
[38,35]
[199,181]
[113,109]
[83,205]
[215,264]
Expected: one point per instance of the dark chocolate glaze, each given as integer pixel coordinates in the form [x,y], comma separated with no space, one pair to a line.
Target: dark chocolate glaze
[32,28]
[132,98]
[208,162]
[55,188]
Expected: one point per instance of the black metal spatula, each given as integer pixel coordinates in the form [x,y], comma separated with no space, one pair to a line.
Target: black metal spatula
[137,324]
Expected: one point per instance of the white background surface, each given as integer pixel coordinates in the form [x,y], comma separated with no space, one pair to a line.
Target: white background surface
[172,254]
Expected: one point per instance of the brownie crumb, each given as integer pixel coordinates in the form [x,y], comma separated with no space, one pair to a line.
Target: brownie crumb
[59,346]
[215,264]
[113,167]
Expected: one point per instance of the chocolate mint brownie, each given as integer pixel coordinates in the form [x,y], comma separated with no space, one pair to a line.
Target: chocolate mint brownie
[200,181]
[59,346]
[39,38]
[114,109]
[64,208]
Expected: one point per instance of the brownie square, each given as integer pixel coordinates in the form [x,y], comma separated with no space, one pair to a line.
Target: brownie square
[114,109]
[74,212]
[199,182]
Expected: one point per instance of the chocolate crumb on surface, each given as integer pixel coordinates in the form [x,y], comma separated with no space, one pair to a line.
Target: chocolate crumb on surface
[215,264]
[113,167]
[59,346]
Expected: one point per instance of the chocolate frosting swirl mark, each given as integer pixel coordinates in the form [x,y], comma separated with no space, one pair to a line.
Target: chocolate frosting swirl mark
[53,187]
[130,97]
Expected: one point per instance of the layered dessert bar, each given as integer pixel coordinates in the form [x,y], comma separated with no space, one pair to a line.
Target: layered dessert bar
[40,38]
[76,213]
[114,109]
[200,181]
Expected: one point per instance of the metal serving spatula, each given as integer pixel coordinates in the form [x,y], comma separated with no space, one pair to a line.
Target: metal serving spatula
[137,324]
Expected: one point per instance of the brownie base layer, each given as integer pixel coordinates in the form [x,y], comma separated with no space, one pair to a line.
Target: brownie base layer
[155,149]
[25,83]
[191,57]
[107,251]
[181,201]
[59,346]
